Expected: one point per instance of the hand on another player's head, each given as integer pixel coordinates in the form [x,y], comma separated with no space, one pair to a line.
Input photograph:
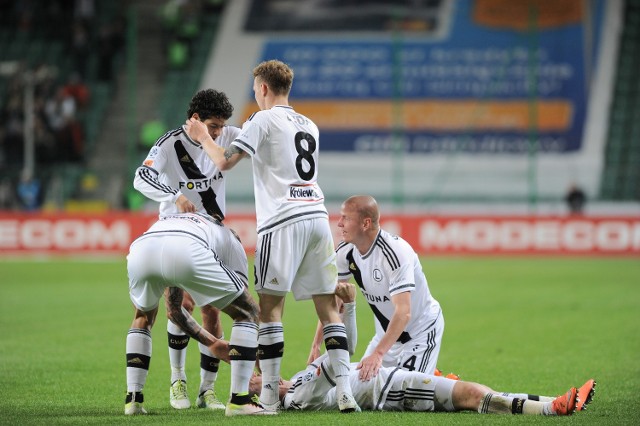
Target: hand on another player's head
[196,129]
[346,291]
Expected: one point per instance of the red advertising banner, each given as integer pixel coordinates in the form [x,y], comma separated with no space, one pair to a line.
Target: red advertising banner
[75,234]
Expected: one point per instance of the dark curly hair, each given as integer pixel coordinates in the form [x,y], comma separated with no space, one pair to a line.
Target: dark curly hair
[210,103]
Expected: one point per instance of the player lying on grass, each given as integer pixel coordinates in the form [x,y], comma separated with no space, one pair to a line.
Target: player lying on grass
[191,252]
[394,389]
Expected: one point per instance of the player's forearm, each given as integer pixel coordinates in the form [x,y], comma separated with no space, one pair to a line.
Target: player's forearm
[396,326]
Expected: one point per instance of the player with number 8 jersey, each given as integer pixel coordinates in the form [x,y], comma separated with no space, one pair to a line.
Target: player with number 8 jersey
[294,251]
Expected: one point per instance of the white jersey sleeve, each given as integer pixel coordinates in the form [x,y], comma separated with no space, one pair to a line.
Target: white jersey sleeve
[147,179]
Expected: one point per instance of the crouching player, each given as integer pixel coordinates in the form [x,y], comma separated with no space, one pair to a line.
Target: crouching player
[191,252]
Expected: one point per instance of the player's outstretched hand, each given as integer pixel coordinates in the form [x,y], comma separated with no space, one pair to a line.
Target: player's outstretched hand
[369,367]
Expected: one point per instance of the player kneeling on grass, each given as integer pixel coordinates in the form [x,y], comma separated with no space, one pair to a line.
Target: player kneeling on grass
[394,389]
[191,252]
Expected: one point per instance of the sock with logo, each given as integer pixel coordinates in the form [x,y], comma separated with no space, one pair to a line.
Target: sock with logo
[138,349]
[243,347]
[209,365]
[335,341]
[499,404]
[178,342]
[270,350]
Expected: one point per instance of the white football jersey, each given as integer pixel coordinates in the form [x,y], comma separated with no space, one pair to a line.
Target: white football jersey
[392,389]
[176,165]
[388,268]
[284,147]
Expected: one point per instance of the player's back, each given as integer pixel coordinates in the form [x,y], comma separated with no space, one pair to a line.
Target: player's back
[284,146]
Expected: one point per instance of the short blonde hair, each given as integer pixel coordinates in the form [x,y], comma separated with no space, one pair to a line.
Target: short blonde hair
[275,74]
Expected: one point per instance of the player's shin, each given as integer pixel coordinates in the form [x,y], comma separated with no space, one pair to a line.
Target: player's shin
[335,341]
[493,403]
[243,347]
[270,352]
[138,349]
[209,365]
[178,342]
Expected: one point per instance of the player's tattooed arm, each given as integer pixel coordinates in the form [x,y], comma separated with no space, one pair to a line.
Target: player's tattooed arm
[230,151]
[181,317]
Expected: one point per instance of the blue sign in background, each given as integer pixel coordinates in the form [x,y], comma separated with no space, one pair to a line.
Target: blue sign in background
[471,62]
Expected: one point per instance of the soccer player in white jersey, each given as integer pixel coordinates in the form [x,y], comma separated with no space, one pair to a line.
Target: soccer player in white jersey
[408,319]
[194,253]
[294,251]
[396,389]
[179,175]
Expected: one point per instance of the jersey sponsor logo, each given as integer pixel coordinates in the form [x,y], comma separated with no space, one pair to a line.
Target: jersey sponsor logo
[305,193]
[199,185]
[352,266]
[274,281]
[377,275]
[185,159]
[374,299]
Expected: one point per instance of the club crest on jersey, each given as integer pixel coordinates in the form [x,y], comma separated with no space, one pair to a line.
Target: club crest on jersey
[377,275]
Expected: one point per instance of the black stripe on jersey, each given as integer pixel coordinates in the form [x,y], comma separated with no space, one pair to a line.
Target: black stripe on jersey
[384,321]
[400,287]
[251,116]
[288,218]
[169,134]
[145,174]
[245,145]
[388,252]
[192,171]
[173,231]
[387,384]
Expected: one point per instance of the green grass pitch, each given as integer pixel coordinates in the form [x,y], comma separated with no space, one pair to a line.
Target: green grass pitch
[536,325]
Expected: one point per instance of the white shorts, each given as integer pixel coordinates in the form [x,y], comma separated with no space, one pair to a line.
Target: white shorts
[299,257]
[158,261]
[400,390]
[418,354]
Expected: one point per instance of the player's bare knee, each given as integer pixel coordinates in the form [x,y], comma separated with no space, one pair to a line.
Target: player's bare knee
[468,395]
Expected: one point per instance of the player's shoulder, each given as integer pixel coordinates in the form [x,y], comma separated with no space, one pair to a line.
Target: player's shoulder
[343,248]
[167,140]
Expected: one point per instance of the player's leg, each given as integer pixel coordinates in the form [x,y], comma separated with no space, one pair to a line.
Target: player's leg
[317,276]
[278,255]
[473,396]
[335,342]
[178,343]
[270,348]
[243,350]
[209,364]
[145,295]
[138,352]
